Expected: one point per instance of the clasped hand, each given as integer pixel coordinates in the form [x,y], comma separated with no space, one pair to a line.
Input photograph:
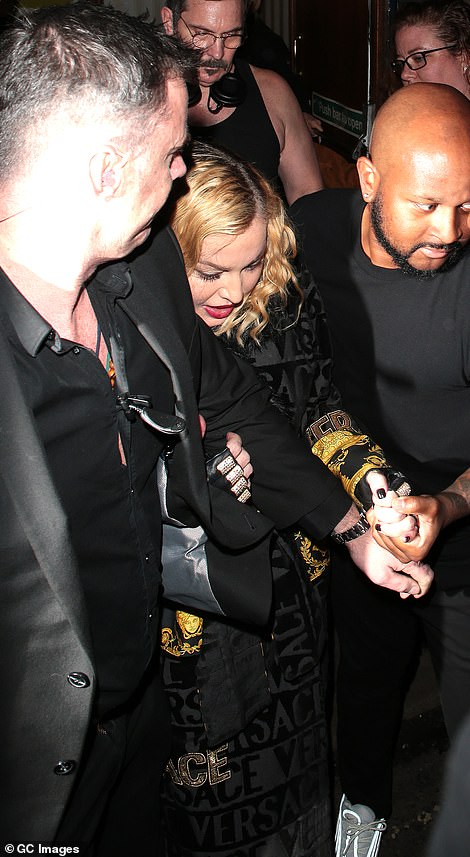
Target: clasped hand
[405,526]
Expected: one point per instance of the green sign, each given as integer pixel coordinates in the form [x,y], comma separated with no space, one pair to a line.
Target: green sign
[342,117]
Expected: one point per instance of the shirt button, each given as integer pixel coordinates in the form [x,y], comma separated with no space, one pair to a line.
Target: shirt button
[78,680]
[64,767]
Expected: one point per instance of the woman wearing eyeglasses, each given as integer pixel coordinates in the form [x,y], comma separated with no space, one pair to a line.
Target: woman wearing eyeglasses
[432,43]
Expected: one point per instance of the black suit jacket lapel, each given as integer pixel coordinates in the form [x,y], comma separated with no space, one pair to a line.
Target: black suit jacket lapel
[24,470]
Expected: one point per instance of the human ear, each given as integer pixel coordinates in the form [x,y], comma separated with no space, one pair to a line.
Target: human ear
[167,20]
[465,60]
[368,177]
[106,171]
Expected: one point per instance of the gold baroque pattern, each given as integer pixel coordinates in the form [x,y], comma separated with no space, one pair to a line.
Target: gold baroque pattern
[185,637]
[336,448]
[316,559]
[337,441]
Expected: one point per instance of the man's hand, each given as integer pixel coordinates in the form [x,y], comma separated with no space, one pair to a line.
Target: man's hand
[412,578]
[314,126]
[432,514]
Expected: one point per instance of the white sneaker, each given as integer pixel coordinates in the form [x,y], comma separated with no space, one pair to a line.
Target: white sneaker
[358,831]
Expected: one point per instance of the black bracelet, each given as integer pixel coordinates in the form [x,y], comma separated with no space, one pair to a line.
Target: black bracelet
[358,529]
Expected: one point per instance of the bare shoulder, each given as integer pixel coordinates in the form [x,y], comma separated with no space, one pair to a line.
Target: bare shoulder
[298,165]
[274,89]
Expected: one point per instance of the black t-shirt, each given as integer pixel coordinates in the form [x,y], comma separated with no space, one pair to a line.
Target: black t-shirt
[401,351]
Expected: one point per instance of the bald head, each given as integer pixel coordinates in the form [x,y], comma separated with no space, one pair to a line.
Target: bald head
[416,182]
[427,117]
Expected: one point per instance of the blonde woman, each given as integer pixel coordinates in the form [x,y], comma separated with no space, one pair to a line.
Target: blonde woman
[248,772]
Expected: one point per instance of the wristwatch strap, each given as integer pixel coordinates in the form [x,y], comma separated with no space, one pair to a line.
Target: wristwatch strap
[358,529]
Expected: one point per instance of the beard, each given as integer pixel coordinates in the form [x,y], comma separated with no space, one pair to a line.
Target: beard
[401,259]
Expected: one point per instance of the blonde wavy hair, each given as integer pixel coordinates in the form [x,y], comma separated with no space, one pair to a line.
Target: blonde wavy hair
[224,195]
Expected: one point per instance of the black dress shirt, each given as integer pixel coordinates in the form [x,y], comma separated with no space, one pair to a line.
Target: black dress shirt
[112,508]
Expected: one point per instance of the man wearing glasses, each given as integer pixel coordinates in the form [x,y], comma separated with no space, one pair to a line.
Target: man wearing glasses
[251,111]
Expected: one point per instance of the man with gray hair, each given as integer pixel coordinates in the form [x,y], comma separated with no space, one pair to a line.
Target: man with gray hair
[93,118]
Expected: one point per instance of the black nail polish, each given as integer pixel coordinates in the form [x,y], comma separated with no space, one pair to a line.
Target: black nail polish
[381,493]
[407,539]
[378,528]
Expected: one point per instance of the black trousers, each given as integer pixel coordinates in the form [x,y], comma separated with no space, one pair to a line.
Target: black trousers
[451,833]
[114,808]
[379,635]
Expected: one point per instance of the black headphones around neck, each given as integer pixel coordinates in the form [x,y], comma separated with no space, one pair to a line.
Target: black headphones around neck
[229,91]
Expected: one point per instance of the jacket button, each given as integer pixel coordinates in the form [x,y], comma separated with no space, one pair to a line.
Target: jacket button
[65,767]
[78,680]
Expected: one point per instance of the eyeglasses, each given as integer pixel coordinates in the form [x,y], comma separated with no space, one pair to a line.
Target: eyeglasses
[205,40]
[417,60]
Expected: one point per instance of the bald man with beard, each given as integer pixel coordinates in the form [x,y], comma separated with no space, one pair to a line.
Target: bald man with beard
[393,266]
